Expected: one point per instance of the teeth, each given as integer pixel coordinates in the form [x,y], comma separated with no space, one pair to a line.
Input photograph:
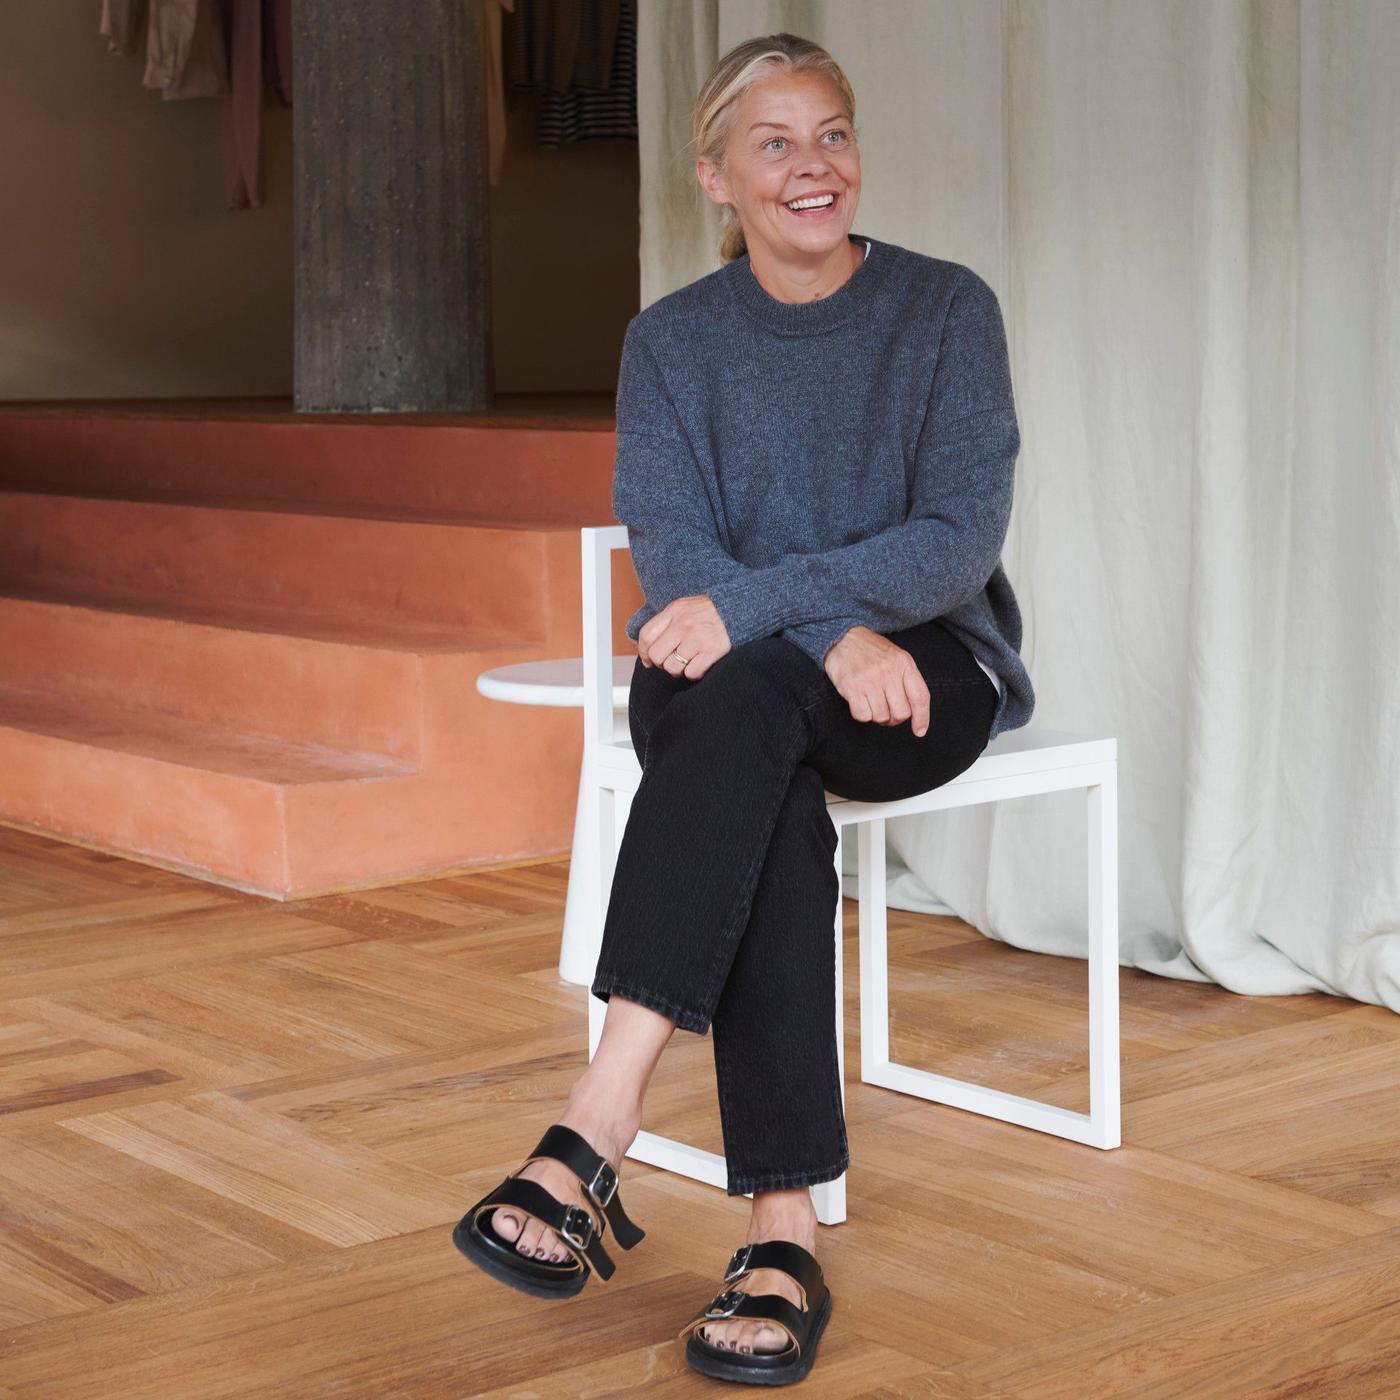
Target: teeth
[819,202]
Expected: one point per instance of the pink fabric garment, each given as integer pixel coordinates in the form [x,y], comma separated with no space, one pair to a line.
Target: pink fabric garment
[124,24]
[185,51]
[242,125]
[260,51]
[277,47]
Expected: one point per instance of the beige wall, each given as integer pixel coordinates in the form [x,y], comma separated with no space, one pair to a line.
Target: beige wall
[566,234]
[123,275]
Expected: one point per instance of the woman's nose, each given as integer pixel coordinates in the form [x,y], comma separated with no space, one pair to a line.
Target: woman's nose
[812,158]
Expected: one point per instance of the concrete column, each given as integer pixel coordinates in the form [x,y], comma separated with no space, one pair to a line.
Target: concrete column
[390,156]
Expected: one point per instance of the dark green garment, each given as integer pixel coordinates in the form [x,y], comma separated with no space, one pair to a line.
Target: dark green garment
[559,45]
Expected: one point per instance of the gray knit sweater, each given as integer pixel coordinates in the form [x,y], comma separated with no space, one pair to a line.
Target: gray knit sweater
[815,465]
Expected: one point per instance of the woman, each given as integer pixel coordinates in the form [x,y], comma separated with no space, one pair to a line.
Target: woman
[816,446]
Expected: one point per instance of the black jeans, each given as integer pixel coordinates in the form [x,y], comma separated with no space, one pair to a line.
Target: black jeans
[725,892]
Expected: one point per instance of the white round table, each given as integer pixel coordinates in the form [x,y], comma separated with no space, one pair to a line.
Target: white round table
[560,683]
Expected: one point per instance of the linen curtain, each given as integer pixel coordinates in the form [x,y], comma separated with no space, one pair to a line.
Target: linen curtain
[1190,210]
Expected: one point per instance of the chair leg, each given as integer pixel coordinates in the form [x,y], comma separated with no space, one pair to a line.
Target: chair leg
[578,953]
[1105,1109]
[602,803]
[1100,1126]
[874,949]
[829,1197]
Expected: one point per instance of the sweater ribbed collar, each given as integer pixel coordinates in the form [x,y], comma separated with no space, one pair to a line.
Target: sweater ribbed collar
[854,295]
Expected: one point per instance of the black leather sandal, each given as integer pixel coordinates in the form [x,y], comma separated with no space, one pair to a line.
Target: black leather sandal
[476,1237]
[804,1325]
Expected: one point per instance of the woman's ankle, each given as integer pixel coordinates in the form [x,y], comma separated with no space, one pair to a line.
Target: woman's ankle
[613,1117]
[784,1215]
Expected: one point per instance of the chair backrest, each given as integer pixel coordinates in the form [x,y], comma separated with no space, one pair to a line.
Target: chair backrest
[1019,750]
[597,543]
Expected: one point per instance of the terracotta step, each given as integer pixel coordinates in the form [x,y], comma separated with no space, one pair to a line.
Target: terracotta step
[332,567]
[347,687]
[490,469]
[130,730]
[249,649]
[192,796]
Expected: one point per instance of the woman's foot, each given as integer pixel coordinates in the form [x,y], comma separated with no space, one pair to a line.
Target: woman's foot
[777,1215]
[609,1131]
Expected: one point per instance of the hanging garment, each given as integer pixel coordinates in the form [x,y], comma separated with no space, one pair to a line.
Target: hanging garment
[495,86]
[242,118]
[260,53]
[581,115]
[186,55]
[124,24]
[560,44]
[277,48]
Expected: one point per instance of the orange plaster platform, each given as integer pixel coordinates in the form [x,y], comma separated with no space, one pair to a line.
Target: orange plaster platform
[243,643]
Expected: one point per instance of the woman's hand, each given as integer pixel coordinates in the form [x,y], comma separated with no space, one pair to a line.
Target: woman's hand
[878,680]
[689,628]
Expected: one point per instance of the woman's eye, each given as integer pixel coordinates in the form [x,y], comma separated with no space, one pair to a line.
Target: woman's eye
[779,140]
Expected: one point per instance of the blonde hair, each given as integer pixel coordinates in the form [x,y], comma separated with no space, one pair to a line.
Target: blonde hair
[716,104]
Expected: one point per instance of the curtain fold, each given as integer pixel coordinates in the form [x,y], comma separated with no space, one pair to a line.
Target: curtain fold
[1190,210]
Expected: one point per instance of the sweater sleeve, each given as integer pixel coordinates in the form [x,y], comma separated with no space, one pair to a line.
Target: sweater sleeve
[817,638]
[949,544]
[658,491]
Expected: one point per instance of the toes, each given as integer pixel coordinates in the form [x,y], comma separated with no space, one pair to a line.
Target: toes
[769,1338]
[506,1224]
[530,1236]
[747,1334]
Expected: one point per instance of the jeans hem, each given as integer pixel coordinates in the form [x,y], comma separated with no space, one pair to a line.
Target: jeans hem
[686,1019]
[740,1183]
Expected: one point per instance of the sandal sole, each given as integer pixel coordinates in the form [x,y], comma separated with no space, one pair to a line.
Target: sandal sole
[467,1236]
[723,1368]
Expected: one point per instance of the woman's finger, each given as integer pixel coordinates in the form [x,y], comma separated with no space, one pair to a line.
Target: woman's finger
[878,701]
[916,691]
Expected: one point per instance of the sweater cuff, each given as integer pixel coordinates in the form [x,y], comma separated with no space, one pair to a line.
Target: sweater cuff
[817,638]
[746,609]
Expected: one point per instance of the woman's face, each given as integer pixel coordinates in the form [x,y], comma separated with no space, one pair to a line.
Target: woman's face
[790,140]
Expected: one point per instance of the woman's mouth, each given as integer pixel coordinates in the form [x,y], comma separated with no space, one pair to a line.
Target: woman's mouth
[815,206]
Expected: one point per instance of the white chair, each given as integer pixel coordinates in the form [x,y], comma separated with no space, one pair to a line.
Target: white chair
[1015,764]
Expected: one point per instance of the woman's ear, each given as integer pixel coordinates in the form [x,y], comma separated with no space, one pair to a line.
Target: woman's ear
[712,181]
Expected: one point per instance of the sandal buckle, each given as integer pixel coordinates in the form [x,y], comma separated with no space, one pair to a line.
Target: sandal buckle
[608,1178]
[581,1235]
[724,1304]
[738,1262]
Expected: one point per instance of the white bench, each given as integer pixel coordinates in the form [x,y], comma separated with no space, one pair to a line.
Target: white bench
[1015,764]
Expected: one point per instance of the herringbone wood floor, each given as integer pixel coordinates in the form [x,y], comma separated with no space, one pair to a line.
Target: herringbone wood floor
[234,1136]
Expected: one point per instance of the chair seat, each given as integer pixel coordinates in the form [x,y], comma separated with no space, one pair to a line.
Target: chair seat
[1018,753]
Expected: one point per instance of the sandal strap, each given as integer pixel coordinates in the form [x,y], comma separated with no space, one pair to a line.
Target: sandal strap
[785,1255]
[772,1308]
[596,1175]
[572,1223]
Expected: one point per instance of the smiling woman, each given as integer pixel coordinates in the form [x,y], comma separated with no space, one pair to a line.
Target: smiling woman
[815,453]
